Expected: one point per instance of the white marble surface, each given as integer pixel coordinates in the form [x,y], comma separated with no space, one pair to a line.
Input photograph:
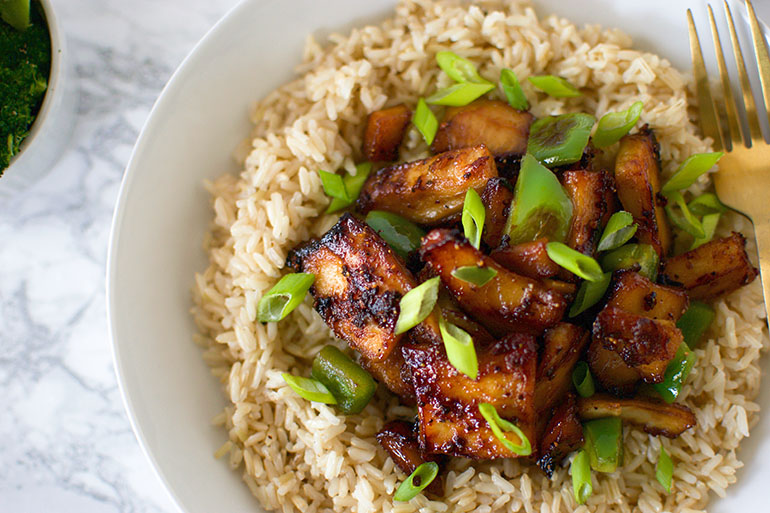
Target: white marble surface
[65,441]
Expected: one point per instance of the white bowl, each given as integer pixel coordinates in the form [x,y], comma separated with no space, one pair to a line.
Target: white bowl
[52,127]
[163,213]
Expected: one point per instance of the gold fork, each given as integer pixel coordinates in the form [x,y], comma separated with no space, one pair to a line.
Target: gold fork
[743,179]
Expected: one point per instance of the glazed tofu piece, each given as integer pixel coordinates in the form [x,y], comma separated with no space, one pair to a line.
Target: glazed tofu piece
[508,302]
[647,345]
[610,370]
[711,270]
[562,435]
[652,415]
[497,198]
[399,439]
[503,129]
[392,372]
[528,259]
[593,199]
[634,293]
[431,190]
[384,131]
[562,346]
[359,283]
[637,178]
[448,401]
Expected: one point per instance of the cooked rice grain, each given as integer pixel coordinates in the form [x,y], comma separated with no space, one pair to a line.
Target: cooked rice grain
[302,456]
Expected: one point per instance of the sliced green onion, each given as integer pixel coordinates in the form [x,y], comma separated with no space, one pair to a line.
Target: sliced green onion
[458,68]
[401,234]
[541,208]
[619,230]
[417,481]
[459,94]
[705,204]
[310,389]
[460,350]
[555,86]
[284,297]
[15,13]
[581,378]
[676,373]
[614,125]
[683,218]
[476,275]
[352,185]
[574,261]
[416,305]
[560,140]
[580,469]
[695,322]
[425,121]
[473,217]
[347,381]
[334,186]
[604,443]
[664,470]
[631,255]
[690,170]
[589,293]
[709,224]
[499,426]
[512,90]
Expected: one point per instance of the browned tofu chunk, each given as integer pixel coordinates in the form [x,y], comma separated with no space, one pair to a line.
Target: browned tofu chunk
[497,198]
[610,370]
[634,293]
[593,199]
[711,270]
[392,372]
[637,178]
[503,129]
[448,401]
[528,259]
[431,190]
[647,345]
[399,439]
[507,302]
[654,416]
[563,434]
[562,346]
[384,132]
[359,282]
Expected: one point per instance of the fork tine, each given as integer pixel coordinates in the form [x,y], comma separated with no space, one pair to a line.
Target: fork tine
[708,117]
[748,97]
[729,99]
[760,49]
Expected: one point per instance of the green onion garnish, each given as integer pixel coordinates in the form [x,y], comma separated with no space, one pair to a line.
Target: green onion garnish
[512,90]
[541,208]
[631,255]
[458,68]
[416,305]
[581,378]
[284,297]
[709,224]
[310,389]
[554,86]
[676,373]
[614,125]
[574,261]
[695,322]
[347,381]
[334,186]
[560,140]
[459,94]
[416,482]
[473,217]
[425,121]
[499,426]
[460,350]
[690,170]
[604,443]
[664,470]
[352,185]
[478,276]
[707,203]
[581,477]
[682,218]
[589,293]
[619,230]
[401,234]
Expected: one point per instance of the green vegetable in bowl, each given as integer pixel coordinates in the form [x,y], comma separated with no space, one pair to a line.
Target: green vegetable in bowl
[560,140]
[350,384]
[632,255]
[604,443]
[401,234]
[15,13]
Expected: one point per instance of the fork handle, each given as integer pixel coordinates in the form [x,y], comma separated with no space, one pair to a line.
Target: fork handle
[762,233]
